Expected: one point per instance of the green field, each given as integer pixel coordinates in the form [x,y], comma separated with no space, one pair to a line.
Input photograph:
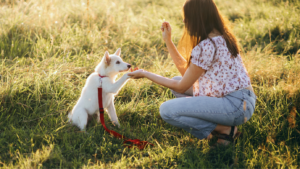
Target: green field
[48,48]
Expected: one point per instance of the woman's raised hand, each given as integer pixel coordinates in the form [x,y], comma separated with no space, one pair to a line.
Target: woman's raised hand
[166,31]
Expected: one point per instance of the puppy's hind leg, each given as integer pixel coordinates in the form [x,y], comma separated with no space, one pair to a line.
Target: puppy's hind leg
[80,118]
[111,111]
[98,116]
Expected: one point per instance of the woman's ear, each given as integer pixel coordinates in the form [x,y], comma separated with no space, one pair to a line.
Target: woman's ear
[107,58]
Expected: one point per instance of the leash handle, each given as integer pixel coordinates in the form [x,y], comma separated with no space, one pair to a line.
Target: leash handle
[127,142]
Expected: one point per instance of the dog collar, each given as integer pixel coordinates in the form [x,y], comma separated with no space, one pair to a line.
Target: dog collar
[101,76]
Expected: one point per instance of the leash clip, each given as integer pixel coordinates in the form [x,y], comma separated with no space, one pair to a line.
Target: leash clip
[100,78]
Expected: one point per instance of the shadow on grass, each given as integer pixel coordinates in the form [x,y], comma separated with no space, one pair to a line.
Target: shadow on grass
[17,42]
[27,127]
[218,157]
[282,41]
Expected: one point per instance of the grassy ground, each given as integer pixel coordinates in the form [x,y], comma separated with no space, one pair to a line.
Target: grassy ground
[48,48]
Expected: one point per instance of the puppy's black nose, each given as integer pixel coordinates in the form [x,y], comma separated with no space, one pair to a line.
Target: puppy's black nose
[129,66]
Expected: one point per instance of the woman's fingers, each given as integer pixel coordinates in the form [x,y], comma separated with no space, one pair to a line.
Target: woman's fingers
[166,26]
[166,31]
[136,74]
[131,75]
[162,27]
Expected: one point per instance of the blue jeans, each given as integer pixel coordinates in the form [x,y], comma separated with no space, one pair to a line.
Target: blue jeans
[200,115]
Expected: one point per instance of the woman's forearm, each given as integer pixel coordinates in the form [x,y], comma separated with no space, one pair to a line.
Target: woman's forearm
[191,75]
[179,61]
[169,83]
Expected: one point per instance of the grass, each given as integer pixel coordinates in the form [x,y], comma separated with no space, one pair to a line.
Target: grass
[48,48]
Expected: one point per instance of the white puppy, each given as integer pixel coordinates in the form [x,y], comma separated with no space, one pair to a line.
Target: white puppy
[87,105]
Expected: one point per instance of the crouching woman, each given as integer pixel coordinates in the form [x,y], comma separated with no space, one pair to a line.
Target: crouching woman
[214,94]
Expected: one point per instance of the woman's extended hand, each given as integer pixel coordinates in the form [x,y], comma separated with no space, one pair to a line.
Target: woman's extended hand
[166,31]
[137,74]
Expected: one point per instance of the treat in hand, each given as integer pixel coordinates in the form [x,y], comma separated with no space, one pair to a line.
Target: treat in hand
[132,70]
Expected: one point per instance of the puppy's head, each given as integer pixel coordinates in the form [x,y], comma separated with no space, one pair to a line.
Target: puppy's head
[114,63]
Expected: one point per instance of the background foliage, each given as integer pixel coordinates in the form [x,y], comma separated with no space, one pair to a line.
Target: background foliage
[48,48]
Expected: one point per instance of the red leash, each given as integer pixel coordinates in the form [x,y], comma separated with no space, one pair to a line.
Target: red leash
[140,144]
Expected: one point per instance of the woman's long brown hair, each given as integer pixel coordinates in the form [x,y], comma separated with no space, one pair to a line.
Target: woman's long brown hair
[201,17]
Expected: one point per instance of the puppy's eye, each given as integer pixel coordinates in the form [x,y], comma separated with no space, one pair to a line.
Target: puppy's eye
[118,62]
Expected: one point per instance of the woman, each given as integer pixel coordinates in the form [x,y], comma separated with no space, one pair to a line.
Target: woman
[214,74]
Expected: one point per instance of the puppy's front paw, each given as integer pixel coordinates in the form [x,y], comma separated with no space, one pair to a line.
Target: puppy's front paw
[126,76]
[116,124]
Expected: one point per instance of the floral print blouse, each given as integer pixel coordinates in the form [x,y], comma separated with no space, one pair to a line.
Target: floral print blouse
[224,73]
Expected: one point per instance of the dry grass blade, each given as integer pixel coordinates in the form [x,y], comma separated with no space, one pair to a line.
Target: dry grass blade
[270,139]
[292,117]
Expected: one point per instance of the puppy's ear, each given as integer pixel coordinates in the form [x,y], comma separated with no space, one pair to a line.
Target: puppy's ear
[118,52]
[107,58]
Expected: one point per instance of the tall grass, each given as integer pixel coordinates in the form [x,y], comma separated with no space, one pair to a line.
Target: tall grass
[48,48]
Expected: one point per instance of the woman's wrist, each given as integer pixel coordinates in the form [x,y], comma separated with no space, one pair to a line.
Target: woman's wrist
[169,42]
[144,74]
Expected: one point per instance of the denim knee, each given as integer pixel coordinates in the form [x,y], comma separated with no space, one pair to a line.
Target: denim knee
[165,110]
